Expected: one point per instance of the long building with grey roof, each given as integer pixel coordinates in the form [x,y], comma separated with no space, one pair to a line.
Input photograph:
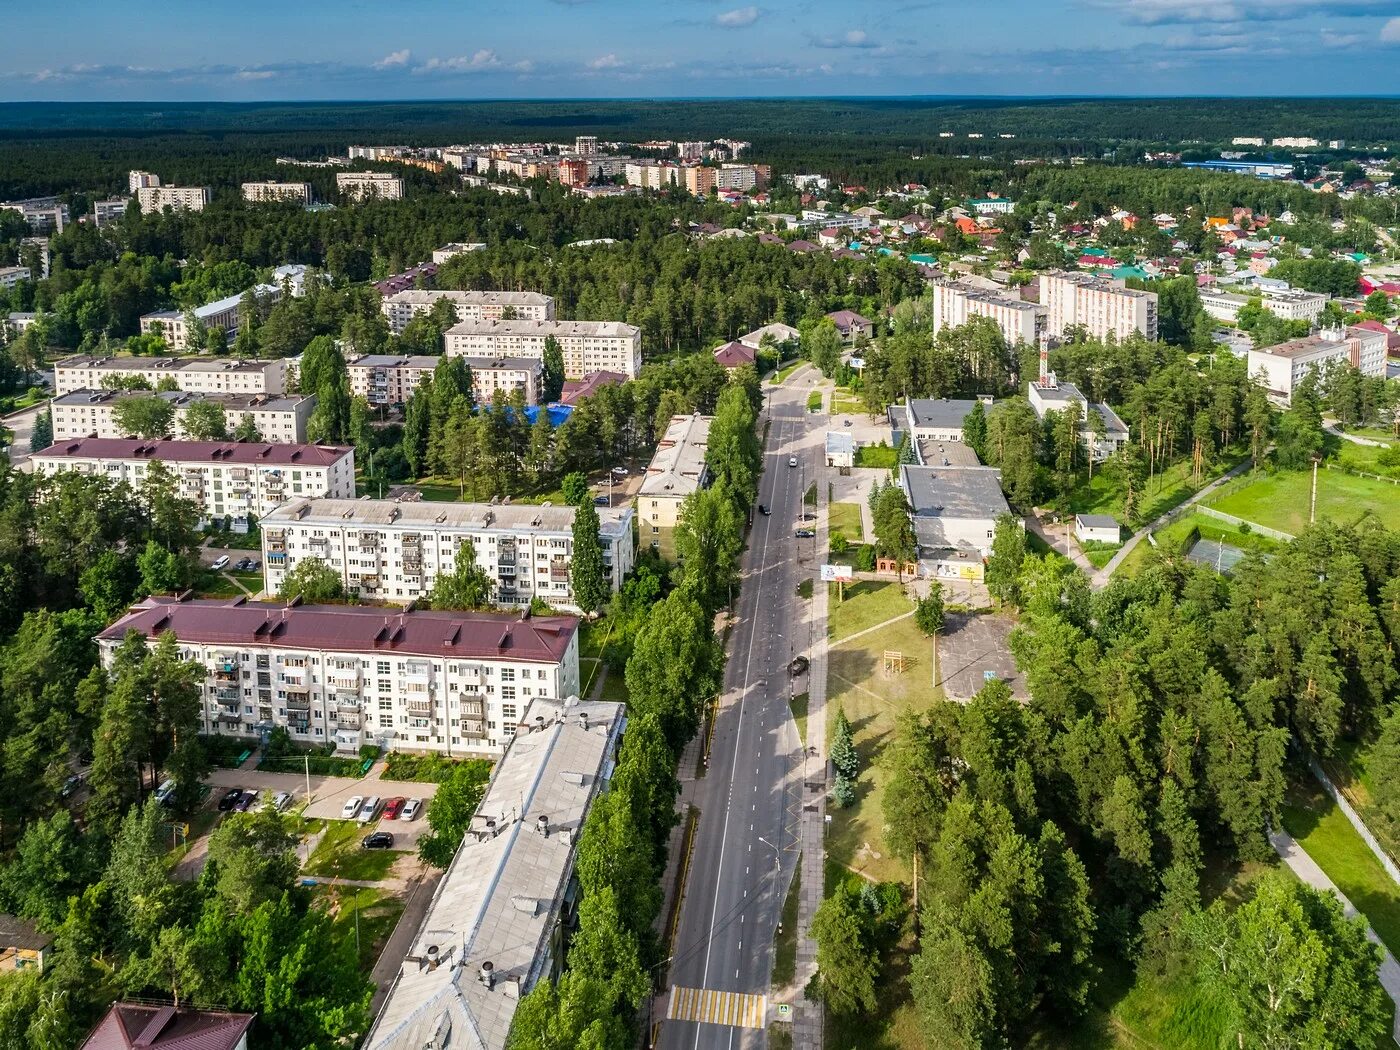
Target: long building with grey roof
[93,413]
[587,346]
[495,927]
[676,470]
[955,511]
[402,307]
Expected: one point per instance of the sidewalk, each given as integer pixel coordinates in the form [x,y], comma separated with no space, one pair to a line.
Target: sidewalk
[1057,539]
[1306,869]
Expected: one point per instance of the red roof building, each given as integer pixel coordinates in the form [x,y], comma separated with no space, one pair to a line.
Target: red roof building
[575,390]
[734,355]
[129,1026]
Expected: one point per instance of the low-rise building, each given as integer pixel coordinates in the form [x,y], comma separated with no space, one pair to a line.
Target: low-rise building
[224,314]
[956,302]
[991,205]
[449,251]
[587,346]
[676,470]
[498,922]
[22,945]
[1290,304]
[177,198]
[575,390]
[840,450]
[391,379]
[1279,369]
[1097,528]
[780,333]
[299,192]
[939,419]
[1098,305]
[734,354]
[851,325]
[369,185]
[42,214]
[12,275]
[239,481]
[92,413]
[444,681]
[402,307]
[393,551]
[16,322]
[1048,394]
[205,375]
[955,512]
[154,1026]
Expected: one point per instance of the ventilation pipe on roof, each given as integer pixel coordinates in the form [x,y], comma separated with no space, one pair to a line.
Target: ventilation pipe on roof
[542,825]
[487,976]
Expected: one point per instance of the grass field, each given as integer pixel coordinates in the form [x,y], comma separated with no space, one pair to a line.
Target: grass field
[1171,537]
[815,400]
[1311,817]
[785,943]
[1365,458]
[340,855]
[856,683]
[846,517]
[788,370]
[1281,500]
[615,688]
[881,456]
[1103,494]
[867,603]
[798,704]
[365,917]
[1350,772]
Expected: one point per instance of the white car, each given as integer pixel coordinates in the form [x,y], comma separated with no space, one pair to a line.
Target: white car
[281,800]
[792,461]
[220,563]
[411,809]
[351,807]
[370,809]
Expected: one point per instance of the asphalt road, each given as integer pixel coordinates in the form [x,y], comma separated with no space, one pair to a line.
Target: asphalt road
[745,848]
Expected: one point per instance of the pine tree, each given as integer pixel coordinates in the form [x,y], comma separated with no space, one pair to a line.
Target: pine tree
[844,756]
[587,573]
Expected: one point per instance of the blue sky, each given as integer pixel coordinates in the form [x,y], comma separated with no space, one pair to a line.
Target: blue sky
[349,49]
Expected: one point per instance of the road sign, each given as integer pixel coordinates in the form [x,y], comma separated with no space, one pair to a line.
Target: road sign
[784,1012]
[857,363]
[836,574]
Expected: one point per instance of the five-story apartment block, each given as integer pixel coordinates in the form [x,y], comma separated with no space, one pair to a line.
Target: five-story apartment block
[204,375]
[587,346]
[404,306]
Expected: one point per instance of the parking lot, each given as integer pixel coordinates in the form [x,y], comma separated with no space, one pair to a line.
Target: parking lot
[972,647]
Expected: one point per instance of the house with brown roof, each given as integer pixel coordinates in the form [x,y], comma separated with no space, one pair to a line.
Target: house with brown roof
[851,325]
[151,1026]
[22,946]
[734,354]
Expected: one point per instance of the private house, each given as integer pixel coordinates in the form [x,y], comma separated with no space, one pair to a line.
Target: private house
[152,1026]
[22,946]
[851,325]
[1097,528]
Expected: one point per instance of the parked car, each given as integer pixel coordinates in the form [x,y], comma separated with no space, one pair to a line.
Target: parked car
[411,809]
[230,799]
[281,800]
[72,784]
[798,665]
[621,472]
[165,791]
[600,501]
[253,563]
[792,461]
[370,809]
[248,801]
[763,509]
[846,423]
[804,534]
[351,807]
[393,808]
[377,840]
[220,563]
[243,564]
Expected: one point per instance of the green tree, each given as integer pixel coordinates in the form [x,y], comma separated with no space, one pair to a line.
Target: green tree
[450,811]
[575,489]
[41,433]
[417,424]
[975,430]
[928,613]
[675,667]
[587,573]
[467,586]
[894,528]
[108,584]
[205,421]
[312,580]
[162,571]
[844,756]
[254,857]
[552,379]
[247,429]
[709,542]
[1004,565]
[822,344]
[144,417]
[848,967]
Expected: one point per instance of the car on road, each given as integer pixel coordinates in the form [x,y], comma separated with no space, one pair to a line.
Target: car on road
[804,534]
[600,501]
[621,472]
[411,809]
[763,509]
[351,807]
[231,798]
[377,840]
[281,800]
[220,563]
[792,461]
[248,801]
[393,808]
[72,784]
[798,666]
[370,809]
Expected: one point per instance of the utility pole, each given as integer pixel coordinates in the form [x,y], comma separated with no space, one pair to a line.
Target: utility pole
[306,762]
[1312,513]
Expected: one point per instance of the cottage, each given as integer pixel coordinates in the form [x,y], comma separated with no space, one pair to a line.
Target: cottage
[1097,528]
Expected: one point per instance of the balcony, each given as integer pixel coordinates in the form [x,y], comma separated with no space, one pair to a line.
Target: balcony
[473,709]
[347,719]
[474,727]
[507,569]
[420,705]
[298,701]
[225,695]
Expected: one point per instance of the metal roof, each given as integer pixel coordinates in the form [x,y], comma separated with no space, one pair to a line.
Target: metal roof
[152,1026]
[430,516]
[256,452]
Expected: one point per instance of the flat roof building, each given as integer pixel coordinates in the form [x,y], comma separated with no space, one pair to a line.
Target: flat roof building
[955,510]
[402,307]
[1279,369]
[956,302]
[393,551]
[1290,304]
[208,375]
[369,185]
[939,418]
[177,198]
[587,346]
[442,681]
[676,470]
[496,925]
[92,413]
[297,192]
[391,379]
[1048,394]
[1097,305]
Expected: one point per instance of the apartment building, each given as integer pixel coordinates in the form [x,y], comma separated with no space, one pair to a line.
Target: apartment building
[178,198]
[834,220]
[404,306]
[92,413]
[386,550]
[104,213]
[455,683]
[587,346]
[241,481]
[585,145]
[223,314]
[652,174]
[205,375]
[299,192]
[141,180]
[574,171]
[449,251]
[42,214]
[390,379]
[1279,369]
[12,275]
[700,180]
[496,925]
[676,470]
[956,302]
[1096,304]
[1289,304]
[369,185]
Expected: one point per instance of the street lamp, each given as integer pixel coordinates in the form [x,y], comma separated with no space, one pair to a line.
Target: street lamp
[777,853]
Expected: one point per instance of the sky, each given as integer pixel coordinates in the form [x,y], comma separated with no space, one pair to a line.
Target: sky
[245,50]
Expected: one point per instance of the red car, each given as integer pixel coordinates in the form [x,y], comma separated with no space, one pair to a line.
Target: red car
[393,808]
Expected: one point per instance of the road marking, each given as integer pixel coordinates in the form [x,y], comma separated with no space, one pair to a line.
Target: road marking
[709,1006]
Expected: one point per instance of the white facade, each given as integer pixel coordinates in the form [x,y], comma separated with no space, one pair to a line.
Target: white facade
[448,682]
[449,251]
[1290,305]
[834,220]
[390,551]
[587,346]
[224,479]
[222,314]
[180,198]
[1054,396]
[92,413]
[300,192]
[955,302]
[389,379]
[1098,305]
[1279,369]
[12,275]
[368,185]
[204,375]
[108,211]
[402,307]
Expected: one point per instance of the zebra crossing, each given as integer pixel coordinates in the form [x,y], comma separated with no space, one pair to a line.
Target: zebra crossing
[714,1007]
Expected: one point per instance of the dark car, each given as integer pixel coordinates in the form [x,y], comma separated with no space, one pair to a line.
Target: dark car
[247,801]
[805,534]
[763,509]
[600,501]
[231,798]
[798,666]
[377,840]
[243,564]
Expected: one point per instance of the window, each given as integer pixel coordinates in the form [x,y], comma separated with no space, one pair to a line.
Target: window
[508,711]
[507,674]
[507,692]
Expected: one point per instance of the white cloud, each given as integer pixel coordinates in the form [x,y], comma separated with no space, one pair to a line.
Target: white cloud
[255,74]
[1189,12]
[738,18]
[608,61]
[480,61]
[393,59]
[856,38]
[1390,32]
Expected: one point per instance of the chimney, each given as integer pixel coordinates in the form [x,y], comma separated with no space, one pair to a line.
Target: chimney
[434,961]
[1044,360]
[487,976]
[542,825]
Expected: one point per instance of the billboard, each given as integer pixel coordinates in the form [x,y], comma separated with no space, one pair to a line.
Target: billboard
[836,574]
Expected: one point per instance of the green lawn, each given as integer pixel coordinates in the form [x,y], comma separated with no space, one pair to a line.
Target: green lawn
[1350,772]
[815,400]
[1172,537]
[1311,817]
[1281,500]
[804,589]
[866,603]
[615,688]
[785,942]
[798,706]
[788,370]
[856,683]
[1365,458]
[1103,494]
[588,671]
[340,855]
[880,457]
[364,917]
[846,518]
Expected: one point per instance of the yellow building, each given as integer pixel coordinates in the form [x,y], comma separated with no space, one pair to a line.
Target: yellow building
[676,470]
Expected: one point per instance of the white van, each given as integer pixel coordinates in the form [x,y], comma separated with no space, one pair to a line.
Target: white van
[220,563]
[370,809]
